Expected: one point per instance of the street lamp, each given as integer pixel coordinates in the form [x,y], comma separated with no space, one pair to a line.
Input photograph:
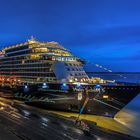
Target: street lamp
[78,86]
[26,88]
[44,85]
[64,86]
[98,88]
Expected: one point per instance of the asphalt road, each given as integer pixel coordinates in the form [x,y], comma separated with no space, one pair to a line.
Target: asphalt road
[22,122]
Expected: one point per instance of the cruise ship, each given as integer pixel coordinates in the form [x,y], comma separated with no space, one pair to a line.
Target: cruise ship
[48,75]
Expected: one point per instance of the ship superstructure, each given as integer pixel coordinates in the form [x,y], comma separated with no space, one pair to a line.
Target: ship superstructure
[35,61]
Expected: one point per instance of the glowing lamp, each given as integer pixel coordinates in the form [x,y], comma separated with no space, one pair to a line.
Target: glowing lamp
[80,96]
[78,85]
[105,96]
[26,88]
[64,86]
[44,85]
[98,86]
[71,80]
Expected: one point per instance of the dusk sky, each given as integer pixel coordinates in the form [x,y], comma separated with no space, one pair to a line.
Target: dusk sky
[101,31]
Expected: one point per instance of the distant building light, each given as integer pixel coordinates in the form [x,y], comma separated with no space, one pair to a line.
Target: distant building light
[97,65]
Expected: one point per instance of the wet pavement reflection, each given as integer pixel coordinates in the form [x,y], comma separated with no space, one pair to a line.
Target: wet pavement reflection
[30,123]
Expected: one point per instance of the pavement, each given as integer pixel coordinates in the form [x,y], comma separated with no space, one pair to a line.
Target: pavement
[104,122]
[22,122]
[5,134]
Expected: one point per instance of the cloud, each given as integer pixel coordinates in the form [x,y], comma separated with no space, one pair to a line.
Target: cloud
[103,36]
[134,57]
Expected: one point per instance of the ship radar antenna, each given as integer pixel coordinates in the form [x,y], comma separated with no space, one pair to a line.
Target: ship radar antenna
[32,39]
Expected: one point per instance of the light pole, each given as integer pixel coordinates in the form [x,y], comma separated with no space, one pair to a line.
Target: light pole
[85,103]
[98,89]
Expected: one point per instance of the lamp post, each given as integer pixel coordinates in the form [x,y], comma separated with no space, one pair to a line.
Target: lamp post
[84,104]
[98,89]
